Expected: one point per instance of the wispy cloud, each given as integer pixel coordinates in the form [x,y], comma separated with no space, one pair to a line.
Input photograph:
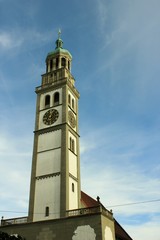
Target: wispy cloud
[7,41]
[122,167]
[15,161]
[130,26]
[19,38]
[151,229]
[118,169]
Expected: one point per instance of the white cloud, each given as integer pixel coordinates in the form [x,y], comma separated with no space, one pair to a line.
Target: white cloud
[103,14]
[25,38]
[145,231]
[129,28]
[119,168]
[9,41]
[15,163]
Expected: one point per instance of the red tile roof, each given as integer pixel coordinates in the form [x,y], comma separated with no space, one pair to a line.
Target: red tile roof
[120,232]
[87,201]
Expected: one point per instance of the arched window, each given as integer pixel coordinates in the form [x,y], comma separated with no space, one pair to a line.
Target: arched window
[63,62]
[47,101]
[73,103]
[56,98]
[72,145]
[47,212]
[69,99]
[72,187]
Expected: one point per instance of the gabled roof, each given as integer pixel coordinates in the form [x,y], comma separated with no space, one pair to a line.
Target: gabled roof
[87,201]
[120,232]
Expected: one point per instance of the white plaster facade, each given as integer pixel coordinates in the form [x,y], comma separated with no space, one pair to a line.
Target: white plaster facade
[84,232]
[47,188]
[47,194]
[73,164]
[48,162]
[70,135]
[73,171]
[108,234]
[73,195]
[58,121]
[49,140]
[51,94]
[55,167]
[75,128]
[72,98]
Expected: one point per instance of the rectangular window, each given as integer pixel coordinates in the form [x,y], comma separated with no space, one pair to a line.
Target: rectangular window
[47,212]
[72,187]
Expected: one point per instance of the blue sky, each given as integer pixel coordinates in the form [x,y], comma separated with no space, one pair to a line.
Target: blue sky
[115,46]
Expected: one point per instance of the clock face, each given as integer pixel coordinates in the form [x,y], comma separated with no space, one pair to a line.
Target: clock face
[71,119]
[50,116]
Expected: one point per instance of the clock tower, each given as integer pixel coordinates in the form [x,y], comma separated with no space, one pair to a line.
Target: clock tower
[57,207]
[55,176]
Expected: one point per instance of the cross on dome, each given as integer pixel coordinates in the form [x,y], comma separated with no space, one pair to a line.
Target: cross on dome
[59,42]
[59,33]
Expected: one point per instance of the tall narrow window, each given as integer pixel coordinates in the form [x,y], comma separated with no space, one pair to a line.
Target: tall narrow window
[57,62]
[56,98]
[73,103]
[47,212]
[47,67]
[72,187]
[47,101]
[55,76]
[51,65]
[63,62]
[69,99]
[72,145]
[68,65]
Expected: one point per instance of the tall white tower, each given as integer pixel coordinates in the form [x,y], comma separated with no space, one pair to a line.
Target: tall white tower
[55,176]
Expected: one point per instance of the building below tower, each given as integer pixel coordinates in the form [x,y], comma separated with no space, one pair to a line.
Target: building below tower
[92,221]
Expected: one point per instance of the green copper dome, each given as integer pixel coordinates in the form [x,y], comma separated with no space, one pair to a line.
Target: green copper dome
[59,48]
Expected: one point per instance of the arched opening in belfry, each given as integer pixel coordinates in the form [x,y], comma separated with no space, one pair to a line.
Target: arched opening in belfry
[56,98]
[47,101]
[63,62]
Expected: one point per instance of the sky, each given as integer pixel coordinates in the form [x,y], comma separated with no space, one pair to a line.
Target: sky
[115,46]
